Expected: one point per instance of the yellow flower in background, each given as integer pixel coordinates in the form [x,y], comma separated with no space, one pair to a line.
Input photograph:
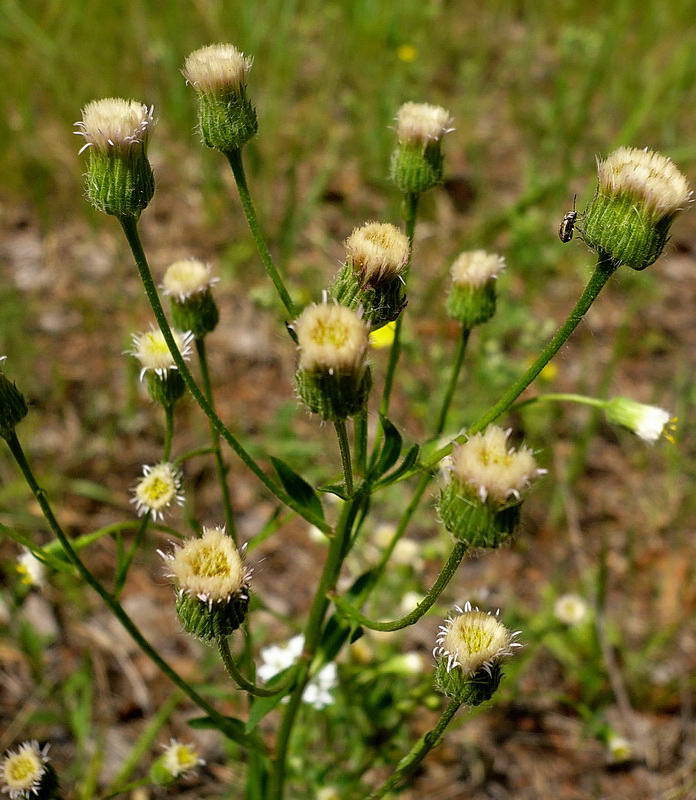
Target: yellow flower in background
[407,53]
[384,336]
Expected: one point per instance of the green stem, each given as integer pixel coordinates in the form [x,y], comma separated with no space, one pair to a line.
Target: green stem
[240,680]
[411,212]
[561,397]
[130,228]
[122,574]
[198,451]
[443,579]
[360,425]
[220,467]
[114,606]
[235,159]
[344,447]
[454,377]
[168,432]
[418,752]
[338,548]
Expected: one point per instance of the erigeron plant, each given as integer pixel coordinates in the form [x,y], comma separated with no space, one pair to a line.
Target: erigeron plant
[483,480]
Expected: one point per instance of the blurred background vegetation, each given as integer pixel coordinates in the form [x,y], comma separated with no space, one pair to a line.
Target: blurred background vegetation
[537,90]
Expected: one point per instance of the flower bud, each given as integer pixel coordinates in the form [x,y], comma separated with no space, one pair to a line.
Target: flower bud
[472,296]
[469,649]
[371,279]
[212,585]
[639,194]
[481,498]
[226,117]
[157,489]
[119,178]
[26,773]
[416,163]
[648,422]
[332,378]
[164,383]
[187,283]
[178,759]
[13,406]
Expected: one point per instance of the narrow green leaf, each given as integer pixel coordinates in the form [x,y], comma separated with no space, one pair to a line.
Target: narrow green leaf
[232,728]
[408,463]
[298,488]
[391,449]
[264,705]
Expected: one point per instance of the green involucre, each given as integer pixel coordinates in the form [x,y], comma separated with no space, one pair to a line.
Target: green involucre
[198,313]
[227,120]
[474,522]
[119,182]
[167,390]
[209,621]
[472,305]
[415,169]
[471,690]
[334,396]
[381,303]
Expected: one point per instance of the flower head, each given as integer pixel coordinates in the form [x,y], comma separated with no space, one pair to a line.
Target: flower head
[152,351]
[493,469]
[31,569]
[23,771]
[114,124]
[647,422]
[378,251]
[474,640]
[217,68]
[187,277]
[474,268]
[422,123]
[209,568]
[331,338]
[649,178]
[570,609]
[619,748]
[180,758]
[157,489]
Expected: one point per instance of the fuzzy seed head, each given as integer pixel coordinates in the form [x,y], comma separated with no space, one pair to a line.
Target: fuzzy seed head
[475,268]
[421,123]
[159,487]
[187,277]
[209,568]
[181,758]
[22,771]
[115,124]
[378,251]
[331,338]
[474,640]
[152,351]
[496,471]
[217,68]
[650,178]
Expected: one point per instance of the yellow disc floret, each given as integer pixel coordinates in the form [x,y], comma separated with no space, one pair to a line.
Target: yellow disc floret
[152,351]
[157,489]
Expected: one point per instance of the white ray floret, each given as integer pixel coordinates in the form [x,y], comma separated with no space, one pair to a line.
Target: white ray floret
[180,758]
[31,569]
[159,487]
[217,68]
[421,123]
[331,338]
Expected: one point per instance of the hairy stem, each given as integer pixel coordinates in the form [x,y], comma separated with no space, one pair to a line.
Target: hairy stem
[360,426]
[168,432]
[344,447]
[240,680]
[235,159]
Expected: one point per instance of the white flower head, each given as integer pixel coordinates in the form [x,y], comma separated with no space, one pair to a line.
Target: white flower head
[187,277]
[493,469]
[474,640]
[619,748]
[31,569]
[180,758]
[23,770]
[209,568]
[422,123]
[475,268]
[317,693]
[157,489]
[651,179]
[647,422]
[378,251]
[217,68]
[152,350]
[570,609]
[115,125]
[331,338]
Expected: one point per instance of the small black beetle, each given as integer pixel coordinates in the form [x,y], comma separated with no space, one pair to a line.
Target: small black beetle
[565,231]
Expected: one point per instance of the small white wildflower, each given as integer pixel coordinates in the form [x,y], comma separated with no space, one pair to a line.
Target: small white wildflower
[378,251]
[476,267]
[570,609]
[115,124]
[22,771]
[491,467]
[152,351]
[647,422]
[317,693]
[421,123]
[650,178]
[217,68]
[276,658]
[31,569]
[619,748]
[157,489]
[181,758]
[331,338]
[187,277]
[474,640]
